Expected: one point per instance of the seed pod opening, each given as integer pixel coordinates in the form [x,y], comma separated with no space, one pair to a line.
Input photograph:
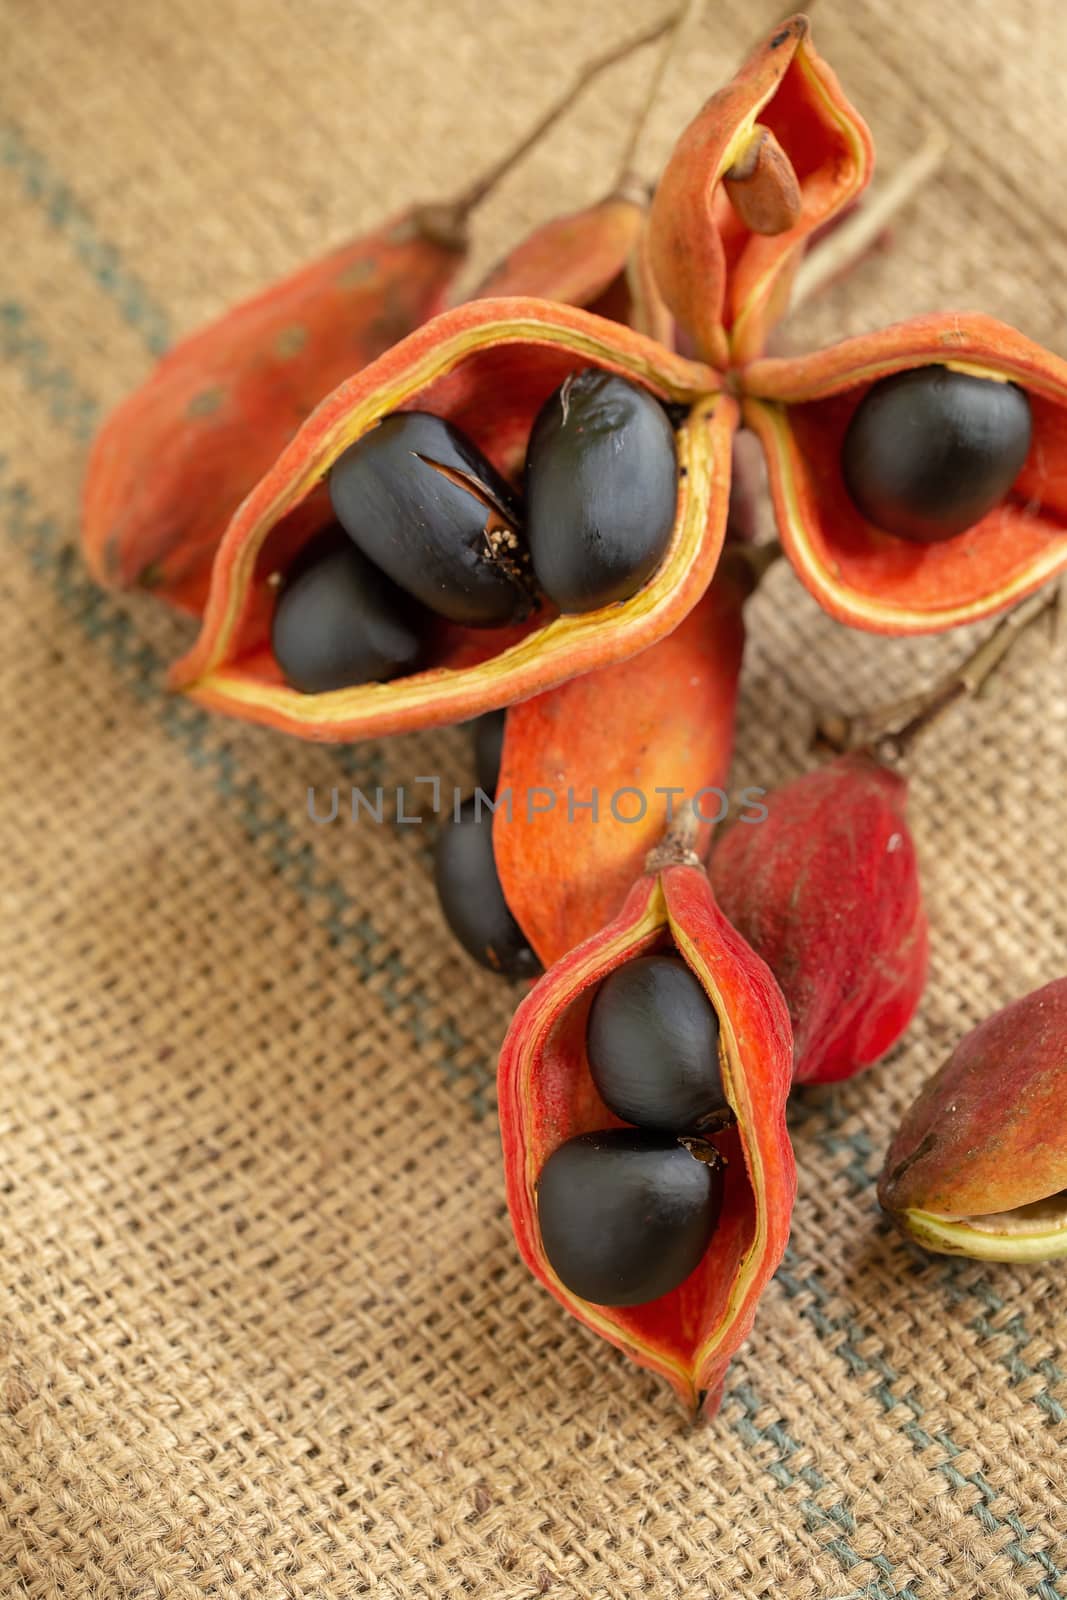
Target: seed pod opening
[814,418]
[626,1216]
[471,898]
[487,369]
[547,1097]
[795,153]
[978,1166]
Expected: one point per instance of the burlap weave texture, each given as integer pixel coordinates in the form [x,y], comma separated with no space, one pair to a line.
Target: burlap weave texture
[263,1330]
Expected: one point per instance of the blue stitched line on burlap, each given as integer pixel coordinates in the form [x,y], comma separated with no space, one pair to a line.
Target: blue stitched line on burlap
[70,218]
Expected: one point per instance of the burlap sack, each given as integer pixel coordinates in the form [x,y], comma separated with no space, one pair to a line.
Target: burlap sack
[263,1329]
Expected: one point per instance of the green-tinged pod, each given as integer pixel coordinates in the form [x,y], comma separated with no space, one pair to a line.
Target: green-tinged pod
[979,1164]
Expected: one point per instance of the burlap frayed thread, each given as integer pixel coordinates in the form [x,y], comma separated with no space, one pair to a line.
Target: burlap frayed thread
[263,1331]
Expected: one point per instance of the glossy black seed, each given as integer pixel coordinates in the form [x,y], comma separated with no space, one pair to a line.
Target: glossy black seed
[338,621]
[601,490]
[488,749]
[625,1216]
[928,453]
[652,1040]
[423,503]
[472,900]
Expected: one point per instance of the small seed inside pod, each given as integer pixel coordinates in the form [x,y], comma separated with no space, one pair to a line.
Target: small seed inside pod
[422,502]
[929,453]
[338,621]
[488,749]
[626,1216]
[601,488]
[471,896]
[652,1041]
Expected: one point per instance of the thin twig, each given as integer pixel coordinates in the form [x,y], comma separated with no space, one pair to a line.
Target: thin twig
[681,22]
[892,730]
[678,845]
[754,561]
[592,69]
[850,241]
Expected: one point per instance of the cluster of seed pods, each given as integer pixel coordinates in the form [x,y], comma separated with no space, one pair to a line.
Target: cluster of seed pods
[519,510]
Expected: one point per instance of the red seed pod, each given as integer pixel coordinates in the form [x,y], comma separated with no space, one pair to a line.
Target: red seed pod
[979,1164]
[826,889]
[770,159]
[547,1096]
[661,721]
[801,410]
[487,367]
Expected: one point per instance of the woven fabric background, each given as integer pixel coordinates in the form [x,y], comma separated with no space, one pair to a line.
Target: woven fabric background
[263,1330]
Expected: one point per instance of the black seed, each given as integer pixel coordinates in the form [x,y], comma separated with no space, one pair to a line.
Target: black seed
[449,537]
[928,453]
[653,1045]
[472,900]
[602,490]
[626,1216]
[488,749]
[339,621]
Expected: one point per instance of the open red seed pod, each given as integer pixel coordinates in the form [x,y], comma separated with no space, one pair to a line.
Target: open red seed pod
[662,721]
[487,367]
[802,409]
[175,459]
[826,889]
[547,1096]
[769,160]
[978,1167]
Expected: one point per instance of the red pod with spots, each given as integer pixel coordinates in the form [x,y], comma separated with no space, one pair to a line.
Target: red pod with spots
[826,889]
[177,456]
